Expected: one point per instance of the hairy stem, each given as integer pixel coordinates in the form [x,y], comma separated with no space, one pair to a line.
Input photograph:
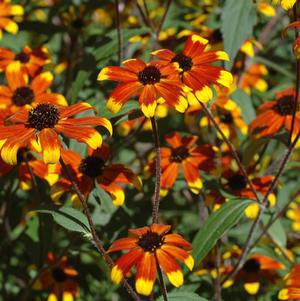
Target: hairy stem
[118,25]
[161,281]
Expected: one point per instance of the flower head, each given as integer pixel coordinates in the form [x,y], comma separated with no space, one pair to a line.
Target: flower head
[8,11]
[95,167]
[183,153]
[292,289]
[149,247]
[148,81]
[197,73]
[40,126]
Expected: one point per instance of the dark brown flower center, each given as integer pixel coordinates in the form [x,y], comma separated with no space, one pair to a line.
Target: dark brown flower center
[237,182]
[185,62]
[149,76]
[92,166]
[226,117]
[251,266]
[22,57]
[179,154]
[43,116]
[59,275]
[285,106]
[23,96]
[77,23]
[150,241]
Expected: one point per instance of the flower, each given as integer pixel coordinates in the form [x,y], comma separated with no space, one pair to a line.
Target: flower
[60,278]
[8,11]
[32,60]
[149,247]
[40,126]
[292,289]
[197,73]
[276,114]
[184,154]
[19,92]
[95,167]
[252,78]
[148,81]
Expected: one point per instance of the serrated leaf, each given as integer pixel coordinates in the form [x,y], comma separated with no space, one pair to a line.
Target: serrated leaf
[216,225]
[244,101]
[69,218]
[180,296]
[238,19]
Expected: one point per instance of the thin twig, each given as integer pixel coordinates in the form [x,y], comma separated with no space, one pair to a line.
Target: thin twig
[263,207]
[233,151]
[297,80]
[118,24]
[156,199]
[96,239]
[218,285]
[161,280]
[159,28]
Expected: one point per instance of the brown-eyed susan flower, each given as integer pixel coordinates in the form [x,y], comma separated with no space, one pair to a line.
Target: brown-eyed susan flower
[253,78]
[276,114]
[32,60]
[149,81]
[149,247]
[257,268]
[95,168]
[7,12]
[196,69]
[184,154]
[292,285]
[40,126]
[59,278]
[20,91]
[293,213]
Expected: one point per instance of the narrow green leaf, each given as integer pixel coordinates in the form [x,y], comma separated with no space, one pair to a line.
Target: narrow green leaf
[238,20]
[277,232]
[180,296]
[69,218]
[77,85]
[105,199]
[216,225]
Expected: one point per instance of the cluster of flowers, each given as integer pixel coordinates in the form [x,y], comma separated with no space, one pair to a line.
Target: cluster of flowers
[34,121]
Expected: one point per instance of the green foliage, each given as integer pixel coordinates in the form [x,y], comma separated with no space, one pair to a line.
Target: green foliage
[179,296]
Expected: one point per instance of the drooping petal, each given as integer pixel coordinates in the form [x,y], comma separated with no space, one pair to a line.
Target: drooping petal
[15,76]
[191,174]
[117,74]
[147,101]
[50,145]
[177,240]
[126,243]
[169,175]
[74,109]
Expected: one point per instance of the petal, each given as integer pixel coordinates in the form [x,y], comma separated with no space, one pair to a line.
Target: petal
[174,139]
[134,65]
[145,274]
[74,109]
[126,243]
[169,175]
[191,174]
[177,240]
[116,193]
[139,231]
[164,54]
[15,76]
[160,229]
[41,82]
[53,98]
[50,145]
[124,264]
[252,287]
[147,100]
[9,25]
[118,74]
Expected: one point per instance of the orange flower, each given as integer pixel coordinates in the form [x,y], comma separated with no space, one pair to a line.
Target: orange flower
[292,290]
[95,167]
[185,154]
[197,73]
[148,81]
[257,268]
[149,247]
[7,12]
[20,92]
[275,115]
[40,126]
[32,60]
[60,278]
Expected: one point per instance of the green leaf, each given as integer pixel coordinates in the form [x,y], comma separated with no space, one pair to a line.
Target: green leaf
[243,100]
[277,232]
[105,199]
[69,218]
[238,19]
[216,225]
[77,85]
[179,296]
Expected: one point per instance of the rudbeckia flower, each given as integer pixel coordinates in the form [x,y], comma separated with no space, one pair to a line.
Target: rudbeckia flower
[276,114]
[149,81]
[292,290]
[20,91]
[60,278]
[7,12]
[95,167]
[149,247]
[40,126]
[197,71]
[185,154]
[32,60]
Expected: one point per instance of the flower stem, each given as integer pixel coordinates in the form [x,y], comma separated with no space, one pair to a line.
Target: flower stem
[96,239]
[161,280]
[156,199]
[163,18]
[118,24]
